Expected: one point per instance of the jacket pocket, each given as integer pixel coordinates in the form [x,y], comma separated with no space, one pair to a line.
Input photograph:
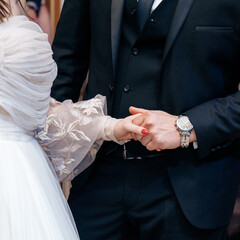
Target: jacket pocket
[216,28]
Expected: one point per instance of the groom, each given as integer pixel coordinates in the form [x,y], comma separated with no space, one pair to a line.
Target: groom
[171,57]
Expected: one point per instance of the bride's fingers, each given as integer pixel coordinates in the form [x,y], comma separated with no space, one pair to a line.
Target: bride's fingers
[130,127]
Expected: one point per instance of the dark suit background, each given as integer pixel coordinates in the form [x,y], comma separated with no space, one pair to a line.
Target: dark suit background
[199,77]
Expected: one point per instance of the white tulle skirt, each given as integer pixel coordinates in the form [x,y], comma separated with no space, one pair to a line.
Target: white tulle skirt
[32,206]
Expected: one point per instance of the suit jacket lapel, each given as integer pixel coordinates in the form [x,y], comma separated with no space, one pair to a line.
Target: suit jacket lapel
[116,20]
[182,9]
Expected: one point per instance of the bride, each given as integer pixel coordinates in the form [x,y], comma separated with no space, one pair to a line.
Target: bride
[32,205]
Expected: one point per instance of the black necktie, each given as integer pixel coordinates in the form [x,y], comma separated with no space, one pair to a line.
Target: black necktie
[143,9]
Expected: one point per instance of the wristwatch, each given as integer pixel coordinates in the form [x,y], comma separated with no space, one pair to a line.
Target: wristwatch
[184,126]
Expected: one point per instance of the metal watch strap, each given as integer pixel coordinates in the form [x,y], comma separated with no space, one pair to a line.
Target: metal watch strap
[185,138]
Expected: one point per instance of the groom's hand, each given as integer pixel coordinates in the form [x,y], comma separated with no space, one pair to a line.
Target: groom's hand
[162,131]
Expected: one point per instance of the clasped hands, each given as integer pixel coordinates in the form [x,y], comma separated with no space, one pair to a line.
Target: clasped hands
[154,129]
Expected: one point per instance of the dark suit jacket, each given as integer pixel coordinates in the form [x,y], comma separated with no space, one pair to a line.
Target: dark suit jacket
[200,76]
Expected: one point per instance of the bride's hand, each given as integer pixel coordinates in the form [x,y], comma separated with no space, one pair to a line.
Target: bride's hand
[124,128]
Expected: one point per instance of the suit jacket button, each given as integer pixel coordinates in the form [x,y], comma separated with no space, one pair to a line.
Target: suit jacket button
[135,51]
[133,11]
[126,88]
[111,87]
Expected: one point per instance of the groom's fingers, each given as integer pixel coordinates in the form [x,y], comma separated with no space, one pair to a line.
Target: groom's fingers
[139,120]
[132,117]
[152,147]
[146,140]
[134,110]
[138,137]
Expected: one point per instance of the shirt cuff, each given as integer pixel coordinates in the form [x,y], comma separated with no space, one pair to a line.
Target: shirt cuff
[195,145]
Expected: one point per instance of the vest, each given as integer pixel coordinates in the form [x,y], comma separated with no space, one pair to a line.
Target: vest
[139,63]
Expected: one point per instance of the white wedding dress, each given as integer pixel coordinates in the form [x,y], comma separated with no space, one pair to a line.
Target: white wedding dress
[32,206]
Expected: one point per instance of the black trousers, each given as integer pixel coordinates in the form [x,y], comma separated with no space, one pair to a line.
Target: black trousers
[132,199]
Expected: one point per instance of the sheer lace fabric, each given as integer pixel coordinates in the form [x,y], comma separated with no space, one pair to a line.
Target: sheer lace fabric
[73,133]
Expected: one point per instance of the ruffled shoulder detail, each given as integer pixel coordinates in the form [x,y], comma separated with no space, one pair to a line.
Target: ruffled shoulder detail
[27,71]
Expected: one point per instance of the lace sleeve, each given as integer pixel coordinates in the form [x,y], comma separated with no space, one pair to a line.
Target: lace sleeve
[70,136]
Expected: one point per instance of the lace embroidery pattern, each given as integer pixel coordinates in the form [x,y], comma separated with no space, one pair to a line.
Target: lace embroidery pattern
[69,135]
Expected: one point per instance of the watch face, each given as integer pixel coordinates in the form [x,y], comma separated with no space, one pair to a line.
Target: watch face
[184,124]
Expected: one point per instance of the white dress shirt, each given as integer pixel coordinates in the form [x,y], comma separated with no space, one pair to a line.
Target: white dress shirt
[155,4]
